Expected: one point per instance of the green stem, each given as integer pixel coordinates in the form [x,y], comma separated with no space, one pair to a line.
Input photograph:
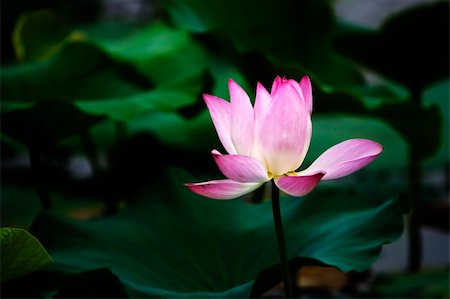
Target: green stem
[280,238]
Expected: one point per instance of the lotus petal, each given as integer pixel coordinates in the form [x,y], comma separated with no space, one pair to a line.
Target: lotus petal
[222,189]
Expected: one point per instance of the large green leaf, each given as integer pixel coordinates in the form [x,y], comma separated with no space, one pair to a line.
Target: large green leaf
[21,253]
[174,243]
[128,108]
[164,55]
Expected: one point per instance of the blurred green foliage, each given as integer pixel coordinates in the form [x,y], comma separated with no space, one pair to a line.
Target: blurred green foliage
[126,96]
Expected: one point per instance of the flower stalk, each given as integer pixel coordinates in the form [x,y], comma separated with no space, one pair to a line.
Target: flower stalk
[281,243]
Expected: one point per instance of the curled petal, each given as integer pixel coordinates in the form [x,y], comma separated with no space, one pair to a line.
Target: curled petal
[222,189]
[345,158]
[240,168]
[305,86]
[242,119]
[220,111]
[285,131]
[299,185]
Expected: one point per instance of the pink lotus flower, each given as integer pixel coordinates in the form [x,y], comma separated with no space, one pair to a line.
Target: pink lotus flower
[270,141]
